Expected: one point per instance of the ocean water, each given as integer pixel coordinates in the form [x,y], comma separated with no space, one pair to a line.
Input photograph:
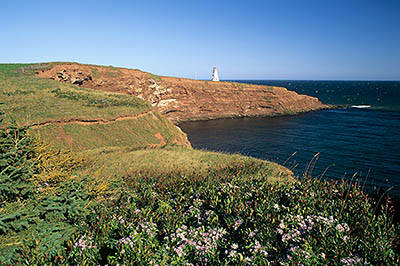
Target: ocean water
[356,143]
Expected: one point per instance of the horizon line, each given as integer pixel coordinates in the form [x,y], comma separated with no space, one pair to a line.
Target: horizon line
[396,80]
[258,79]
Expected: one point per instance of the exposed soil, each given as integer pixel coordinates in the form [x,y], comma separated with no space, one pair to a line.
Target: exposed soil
[182,99]
[89,121]
[161,139]
[62,136]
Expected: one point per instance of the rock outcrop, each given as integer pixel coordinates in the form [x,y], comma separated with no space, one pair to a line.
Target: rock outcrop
[182,99]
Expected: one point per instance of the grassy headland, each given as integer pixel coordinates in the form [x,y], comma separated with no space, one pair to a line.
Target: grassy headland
[101,178]
[30,100]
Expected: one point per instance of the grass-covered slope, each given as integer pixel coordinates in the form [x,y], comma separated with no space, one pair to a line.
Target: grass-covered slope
[78,118]
[50,215]
[98,123]
[29,99]
[101,179]
[171,161]
[148,130]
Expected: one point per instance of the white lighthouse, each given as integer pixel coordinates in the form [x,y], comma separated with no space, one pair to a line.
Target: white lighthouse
[215,74]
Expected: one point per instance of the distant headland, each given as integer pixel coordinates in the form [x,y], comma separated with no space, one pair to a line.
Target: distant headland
[181,99]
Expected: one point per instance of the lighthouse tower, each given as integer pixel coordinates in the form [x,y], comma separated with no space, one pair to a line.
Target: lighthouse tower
[215,74]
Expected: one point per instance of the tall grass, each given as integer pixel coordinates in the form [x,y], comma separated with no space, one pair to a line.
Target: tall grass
[174,161]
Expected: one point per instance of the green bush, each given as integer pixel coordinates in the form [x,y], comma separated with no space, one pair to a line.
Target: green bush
[37,216]
[237,219]
[16,163]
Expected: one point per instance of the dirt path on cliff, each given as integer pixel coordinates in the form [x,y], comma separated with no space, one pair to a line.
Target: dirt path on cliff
[87,122]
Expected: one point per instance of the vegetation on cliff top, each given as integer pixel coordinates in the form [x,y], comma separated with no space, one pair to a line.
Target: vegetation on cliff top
[64,108]
[50,215]
[130,192]
[29,99]
[181,99]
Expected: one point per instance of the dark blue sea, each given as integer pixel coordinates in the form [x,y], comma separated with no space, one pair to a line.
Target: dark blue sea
[361,143]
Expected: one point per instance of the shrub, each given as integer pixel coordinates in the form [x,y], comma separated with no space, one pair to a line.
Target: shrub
[234,219]
[41,201]
[238,221]
[16,163]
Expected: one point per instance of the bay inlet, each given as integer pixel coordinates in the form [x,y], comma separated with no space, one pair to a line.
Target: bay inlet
[359,142]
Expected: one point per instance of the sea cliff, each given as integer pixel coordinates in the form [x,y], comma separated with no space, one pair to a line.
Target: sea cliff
[181,99]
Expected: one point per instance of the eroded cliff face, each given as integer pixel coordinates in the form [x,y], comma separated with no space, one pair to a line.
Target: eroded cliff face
[182,99]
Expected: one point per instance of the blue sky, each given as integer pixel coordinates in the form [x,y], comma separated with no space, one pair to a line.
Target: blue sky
[304,39]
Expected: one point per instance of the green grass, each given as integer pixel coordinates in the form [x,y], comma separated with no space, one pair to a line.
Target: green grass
[99,99]
[133,133]
[29,99]
[118,198]
[171,161]
[12,69]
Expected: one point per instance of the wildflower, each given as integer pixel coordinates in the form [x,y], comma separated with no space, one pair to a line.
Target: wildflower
[237,224]
[306,254]
[257,247]
[232,254]
[282,225]
[352,260]
[84,243]
[342,228]
[179,251]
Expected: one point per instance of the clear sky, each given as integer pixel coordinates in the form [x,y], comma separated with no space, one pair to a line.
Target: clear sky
[276,39]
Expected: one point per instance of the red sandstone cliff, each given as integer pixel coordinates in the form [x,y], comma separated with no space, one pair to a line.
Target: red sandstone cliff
[182,99]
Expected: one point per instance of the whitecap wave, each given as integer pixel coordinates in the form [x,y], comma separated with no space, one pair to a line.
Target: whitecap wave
[361,106]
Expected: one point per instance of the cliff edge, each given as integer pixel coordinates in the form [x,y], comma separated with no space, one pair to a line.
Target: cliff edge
[181,99]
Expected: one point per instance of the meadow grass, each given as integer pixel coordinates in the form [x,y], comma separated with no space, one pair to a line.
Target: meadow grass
[173,161]
[122,193]
[29,99]
[136,133]
[232,216]
[12,69]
